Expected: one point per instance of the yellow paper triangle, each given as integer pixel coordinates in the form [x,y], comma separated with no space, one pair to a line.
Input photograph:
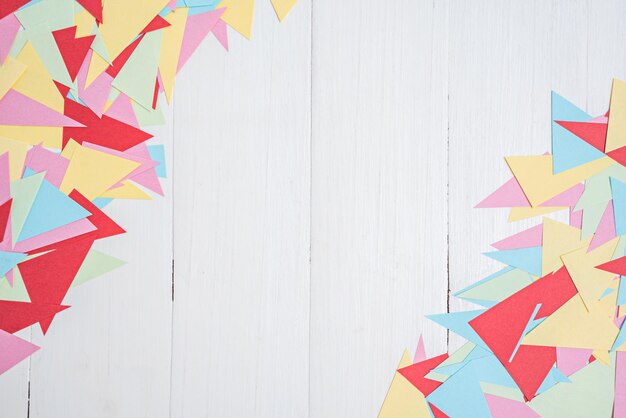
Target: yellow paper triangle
[93,172]
[602,356]
[10,72]
[128,190]
[282,7]
[521,213]
[558,239]
[616,132]
[84,22]
[122,20]
[581,266]
[534,175]
[97,66]
[238,15]
[48,136]
[17,156]
[573,326]
[36,82]
[170,49]
[403,400]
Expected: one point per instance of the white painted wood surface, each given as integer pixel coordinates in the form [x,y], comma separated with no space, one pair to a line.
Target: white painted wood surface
[324,175]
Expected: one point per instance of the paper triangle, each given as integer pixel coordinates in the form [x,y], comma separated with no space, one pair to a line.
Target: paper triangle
[558,239]
[94,7]
[616,131]
[13,349]
[508,195]
[15,316]
[51,209]
[403,399]
[592,133]
[527,259]
[238,15]
[72,49]
[282,7]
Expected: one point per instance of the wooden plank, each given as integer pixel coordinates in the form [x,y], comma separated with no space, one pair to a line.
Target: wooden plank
[109,355]
[505,58]
[241,224]
[378,197]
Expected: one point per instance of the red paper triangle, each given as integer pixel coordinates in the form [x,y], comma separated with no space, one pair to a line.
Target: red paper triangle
[502,326]
[73,50]
[119,61]
[48,277]
[155,24]
[15,316]
[106,227]
[618,155]
[415,374]
[436,412]
[105,131]
[9,6]
[63,89]
[5,211]
[617,266]
[592,133]
[94,7]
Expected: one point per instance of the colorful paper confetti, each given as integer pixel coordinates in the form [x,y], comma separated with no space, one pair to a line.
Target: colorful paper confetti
[549,340]
[79,82]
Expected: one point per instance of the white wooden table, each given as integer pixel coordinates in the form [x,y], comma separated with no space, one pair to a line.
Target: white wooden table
[318,206]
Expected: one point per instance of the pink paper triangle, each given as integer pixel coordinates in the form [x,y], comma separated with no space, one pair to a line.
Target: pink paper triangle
[420,351]
[9,26]
[197,28]
[509,195]
[40,159]
[17,109]
[619,407]
[13,349]
[221,33]
[532,237]
[122,110]
[568,198]
[570,360]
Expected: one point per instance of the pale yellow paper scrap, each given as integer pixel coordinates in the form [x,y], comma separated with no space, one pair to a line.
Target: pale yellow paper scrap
[282,7]
[97,66]
[581,266]
[238,15]
[35,82]
[93,172]
[573,326]
[170,49]
[128,190]
[521,213]
[48,136]
[122,20]
[534,175]
[84,22]
[10,72]
[403,400]
[69,149]
[616,132]
[17,155]
[558,239]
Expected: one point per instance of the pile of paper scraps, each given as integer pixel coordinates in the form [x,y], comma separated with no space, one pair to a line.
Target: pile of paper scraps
[549,340]
[80,80]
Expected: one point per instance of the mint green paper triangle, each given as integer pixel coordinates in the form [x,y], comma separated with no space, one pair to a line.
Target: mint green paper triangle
[23,192]
[16,293]
[137,77]
[96,264]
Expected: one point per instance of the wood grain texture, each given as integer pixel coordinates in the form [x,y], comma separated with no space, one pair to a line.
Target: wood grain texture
[241,225]
[319,204]
[378,228]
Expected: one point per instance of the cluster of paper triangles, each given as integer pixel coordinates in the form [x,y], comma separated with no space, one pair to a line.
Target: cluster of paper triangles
[549,339]
[80,80]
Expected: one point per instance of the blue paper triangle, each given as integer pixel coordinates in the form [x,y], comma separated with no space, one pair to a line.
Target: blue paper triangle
[51,209]
[461,395]
[568,150]
[8,260]
[458,322]
[527,259]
